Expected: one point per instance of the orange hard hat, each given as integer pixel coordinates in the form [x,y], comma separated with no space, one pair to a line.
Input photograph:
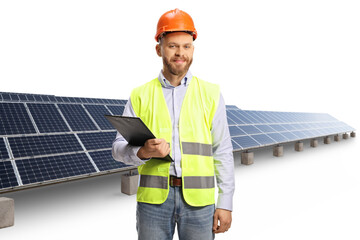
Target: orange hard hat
[175,21]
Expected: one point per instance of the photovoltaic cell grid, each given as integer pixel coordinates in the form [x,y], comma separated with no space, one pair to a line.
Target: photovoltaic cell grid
[46,139]
[254,129]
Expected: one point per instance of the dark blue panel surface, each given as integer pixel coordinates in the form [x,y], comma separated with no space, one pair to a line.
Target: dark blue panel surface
[249,115]
[14,119]
[43,145]
[233,107]
[116,110]
[257,117]
[278,137]
[240,116]
[269,118]
[300,134]
[235,145]
[50,168]
[6,96]
[265,128]
[104,160]
[322,131]
[236,131]
[246,142]
[263,139]
[3,151]
[47,118]
[77,117]
[7,175]
[289,127]
[97,140]
[290,136]
[277,127]
[97,112]
[230,121]
[233,117]
[309,133]
[250,129]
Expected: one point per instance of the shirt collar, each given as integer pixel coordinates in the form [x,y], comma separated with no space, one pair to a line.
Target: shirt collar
[166,84]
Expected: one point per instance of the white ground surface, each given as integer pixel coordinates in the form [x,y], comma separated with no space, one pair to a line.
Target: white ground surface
[312,194]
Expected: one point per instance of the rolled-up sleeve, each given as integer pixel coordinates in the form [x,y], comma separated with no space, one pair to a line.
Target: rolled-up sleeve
[121,150]
[223,157]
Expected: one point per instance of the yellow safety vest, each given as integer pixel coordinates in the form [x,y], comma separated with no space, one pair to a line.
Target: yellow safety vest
[197,164]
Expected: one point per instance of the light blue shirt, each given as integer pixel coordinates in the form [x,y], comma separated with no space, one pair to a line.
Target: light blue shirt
[222,147]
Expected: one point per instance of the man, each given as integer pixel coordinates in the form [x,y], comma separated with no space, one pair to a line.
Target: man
[188,117]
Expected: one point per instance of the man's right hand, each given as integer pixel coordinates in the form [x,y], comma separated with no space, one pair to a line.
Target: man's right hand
[154,148]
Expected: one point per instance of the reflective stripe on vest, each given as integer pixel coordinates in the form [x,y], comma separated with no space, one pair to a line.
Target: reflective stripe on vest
[199,182]
[197,149]
[153,181]
[189,182]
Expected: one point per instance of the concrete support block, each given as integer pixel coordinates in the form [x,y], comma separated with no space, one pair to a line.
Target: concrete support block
[299,146]
[353,134]
[336,138]
[7,212]
[327,140]
[129,184]
[278,151]
[247,158]
[314,143]
[345,136]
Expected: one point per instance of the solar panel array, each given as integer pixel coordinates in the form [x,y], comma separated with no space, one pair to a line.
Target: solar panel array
[46,139]
[254,129]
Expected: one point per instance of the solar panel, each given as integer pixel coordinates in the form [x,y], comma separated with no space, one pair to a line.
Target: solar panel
[254,129]
[32,146]
[35,170]
[264,139]
[97,112]
[246,142]
[103,165]
[3,150]
[46,139]
[77,117]
[47,118]
[97,140]
[14,119]
[116,110]
[7,175]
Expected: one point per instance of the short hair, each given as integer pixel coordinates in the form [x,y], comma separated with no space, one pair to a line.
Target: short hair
[162,35]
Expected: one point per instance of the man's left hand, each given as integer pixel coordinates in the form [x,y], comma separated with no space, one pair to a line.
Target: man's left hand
[224,217]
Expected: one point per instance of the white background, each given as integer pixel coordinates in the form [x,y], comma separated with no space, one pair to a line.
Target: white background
[301,56]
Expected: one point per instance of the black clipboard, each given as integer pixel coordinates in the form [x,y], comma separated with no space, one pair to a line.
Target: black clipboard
[134,130]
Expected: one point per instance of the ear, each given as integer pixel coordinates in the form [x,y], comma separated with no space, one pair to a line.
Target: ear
[158,49]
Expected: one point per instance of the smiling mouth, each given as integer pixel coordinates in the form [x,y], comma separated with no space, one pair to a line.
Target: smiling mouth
[179,61]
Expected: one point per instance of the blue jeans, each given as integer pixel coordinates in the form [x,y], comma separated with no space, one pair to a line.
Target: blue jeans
[157,221]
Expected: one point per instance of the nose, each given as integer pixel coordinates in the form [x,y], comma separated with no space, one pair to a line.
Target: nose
[178,52]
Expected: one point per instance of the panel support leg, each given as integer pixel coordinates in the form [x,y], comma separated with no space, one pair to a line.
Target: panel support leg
[247,158]
[299,146]
[314,143]
[278,151]
[7,212]
[129,183]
